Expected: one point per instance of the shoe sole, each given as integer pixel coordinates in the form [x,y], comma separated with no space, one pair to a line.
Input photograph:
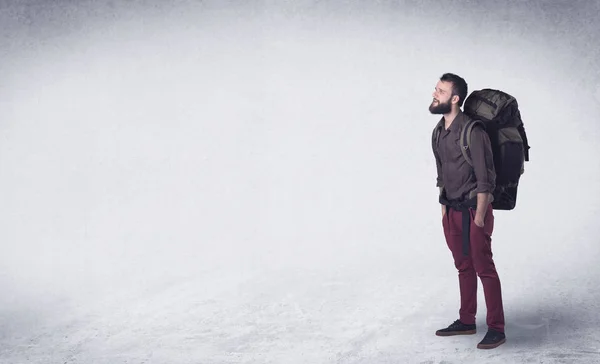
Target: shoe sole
[454,333]
[491,346]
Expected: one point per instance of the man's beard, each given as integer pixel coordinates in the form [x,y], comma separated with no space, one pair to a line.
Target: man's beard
[440,108]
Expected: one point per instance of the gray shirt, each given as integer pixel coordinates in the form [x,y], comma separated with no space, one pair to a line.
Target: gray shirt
[454,174]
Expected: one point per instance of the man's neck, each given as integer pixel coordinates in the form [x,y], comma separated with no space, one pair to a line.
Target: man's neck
[449,118]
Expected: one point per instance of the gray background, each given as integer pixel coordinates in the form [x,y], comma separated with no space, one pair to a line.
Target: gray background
[231,182]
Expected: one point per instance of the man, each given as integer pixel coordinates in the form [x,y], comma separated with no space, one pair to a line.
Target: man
[467,215]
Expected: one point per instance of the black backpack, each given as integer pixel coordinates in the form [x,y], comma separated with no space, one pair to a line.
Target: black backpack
[498,112]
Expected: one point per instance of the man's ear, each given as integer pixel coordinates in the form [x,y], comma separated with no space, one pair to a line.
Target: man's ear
[454,99]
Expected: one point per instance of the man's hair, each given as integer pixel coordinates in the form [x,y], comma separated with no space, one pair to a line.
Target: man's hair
[459,86]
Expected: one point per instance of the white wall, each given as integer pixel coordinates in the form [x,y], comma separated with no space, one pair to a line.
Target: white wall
[139,143]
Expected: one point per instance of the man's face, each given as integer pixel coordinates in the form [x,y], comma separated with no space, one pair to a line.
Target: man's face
[442,98]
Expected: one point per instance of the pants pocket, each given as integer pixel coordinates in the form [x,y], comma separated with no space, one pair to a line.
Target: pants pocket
[488,221]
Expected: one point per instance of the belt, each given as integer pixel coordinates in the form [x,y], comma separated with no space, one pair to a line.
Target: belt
[463,207]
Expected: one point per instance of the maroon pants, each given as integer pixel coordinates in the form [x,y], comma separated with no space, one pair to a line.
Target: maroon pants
[478,262]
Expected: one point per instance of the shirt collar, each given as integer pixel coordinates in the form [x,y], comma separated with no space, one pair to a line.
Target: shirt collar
[458,121]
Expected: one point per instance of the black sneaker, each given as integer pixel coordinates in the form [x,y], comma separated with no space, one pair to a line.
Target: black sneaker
[492,340]
[457,328]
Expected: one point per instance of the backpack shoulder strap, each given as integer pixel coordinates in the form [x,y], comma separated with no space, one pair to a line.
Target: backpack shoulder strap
[465,138]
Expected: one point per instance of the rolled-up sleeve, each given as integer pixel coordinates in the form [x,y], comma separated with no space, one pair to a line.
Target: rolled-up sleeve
[483,161]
